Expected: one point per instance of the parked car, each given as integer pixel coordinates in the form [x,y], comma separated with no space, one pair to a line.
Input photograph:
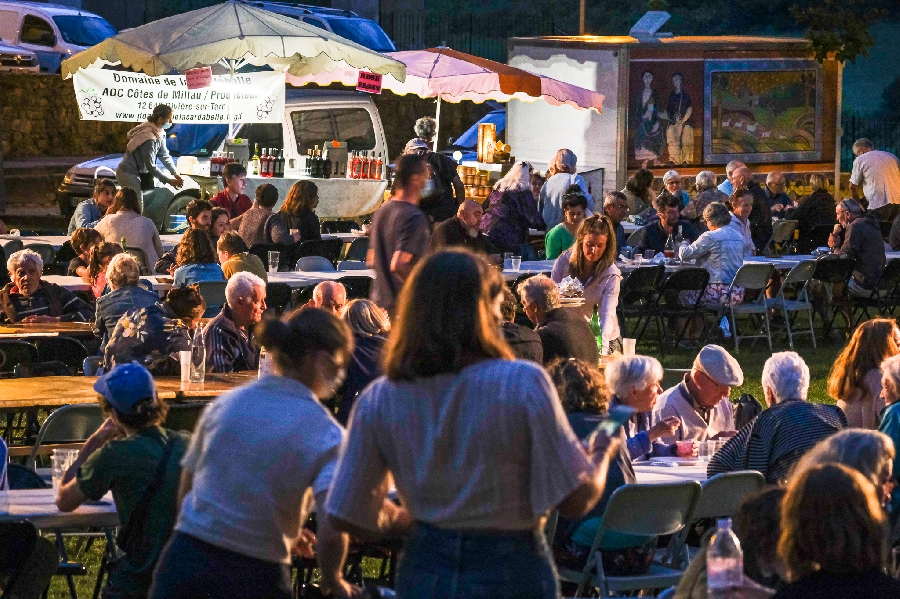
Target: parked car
[14,59]
[52,31]
[312,118]
[344,23]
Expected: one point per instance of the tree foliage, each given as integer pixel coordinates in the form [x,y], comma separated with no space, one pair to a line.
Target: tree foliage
[840,27]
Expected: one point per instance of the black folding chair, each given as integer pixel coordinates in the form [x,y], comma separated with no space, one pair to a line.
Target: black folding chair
[358,250]
[329,249]
[636,296]
[833,272]
[13,353]
[673,302]
[278,297]
[357,287]
[285,258]
[301,296]
[67,350]
[885,296]
[54,368]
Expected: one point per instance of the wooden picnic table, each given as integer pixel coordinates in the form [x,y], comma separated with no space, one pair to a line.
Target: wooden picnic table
[46,329]
[56,391]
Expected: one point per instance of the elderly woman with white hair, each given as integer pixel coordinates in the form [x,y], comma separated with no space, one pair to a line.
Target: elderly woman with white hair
[30,299]
[370,326]
[776,439]
[123,276]
[890,416]
[511,210]
[707,193]
[635,382]
[561,175]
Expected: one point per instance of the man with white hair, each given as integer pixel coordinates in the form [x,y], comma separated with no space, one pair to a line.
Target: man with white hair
[29,299]
[774,441]
[727,186]
[615,207]
[701,401]
[330,296]
[776,198]
[674,184]
[228,337]
[876,174]
[564,333]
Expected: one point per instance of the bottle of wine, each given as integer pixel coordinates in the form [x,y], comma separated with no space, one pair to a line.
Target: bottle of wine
[309,160]
[255,161]
[315,163]
[263,163]
[281,163]
[271,158]
[326,163]
[124,247]
[596,329]
[364,168]
[379,167]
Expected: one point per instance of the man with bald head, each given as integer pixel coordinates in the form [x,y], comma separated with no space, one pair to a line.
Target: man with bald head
[329,296]
[463,230]
[761,215]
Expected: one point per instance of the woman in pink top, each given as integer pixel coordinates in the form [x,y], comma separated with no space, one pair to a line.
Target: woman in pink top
[476,442]
[101,254]
[592,260]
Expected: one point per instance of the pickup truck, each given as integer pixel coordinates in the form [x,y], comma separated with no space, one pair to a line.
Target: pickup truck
[312,117]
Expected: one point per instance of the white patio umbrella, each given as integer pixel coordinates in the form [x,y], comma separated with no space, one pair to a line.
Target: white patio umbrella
[454,76]
[236,33]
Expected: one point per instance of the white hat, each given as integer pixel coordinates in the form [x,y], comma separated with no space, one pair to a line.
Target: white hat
[719,365]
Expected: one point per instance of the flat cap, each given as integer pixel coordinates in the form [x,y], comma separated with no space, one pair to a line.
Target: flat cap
[719,365]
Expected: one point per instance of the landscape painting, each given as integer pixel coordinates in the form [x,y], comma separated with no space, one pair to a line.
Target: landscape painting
[760,113]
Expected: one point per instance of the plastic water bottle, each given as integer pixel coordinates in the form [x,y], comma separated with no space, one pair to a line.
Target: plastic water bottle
[724,562]
[265,363]
[198,357]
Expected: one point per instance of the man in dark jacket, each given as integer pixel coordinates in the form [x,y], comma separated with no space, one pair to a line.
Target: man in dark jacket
[858,236]
[524,342]
[668,220]
[463,230]
[564,333]
[761,216]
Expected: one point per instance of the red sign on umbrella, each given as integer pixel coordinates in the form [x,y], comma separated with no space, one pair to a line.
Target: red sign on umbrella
[369,83]
[198,78]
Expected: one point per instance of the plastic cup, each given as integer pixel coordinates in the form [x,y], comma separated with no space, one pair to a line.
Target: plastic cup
[639,259]
[628,346]
[507,260]
[703,451]
[62,459]
[685,448]
[274,258]
[184,357]
[516,263]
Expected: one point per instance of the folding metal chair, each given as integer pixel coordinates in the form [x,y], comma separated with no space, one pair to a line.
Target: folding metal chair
[753,278]
[351,265]
[314,264]
[636,297]
[645,510]
[885,296]
[142,260]
[832,272]
[782,235]
[671,301]
[796,283]
[278,297]
[285,258]
[47,252]
[358,249]
[68,425]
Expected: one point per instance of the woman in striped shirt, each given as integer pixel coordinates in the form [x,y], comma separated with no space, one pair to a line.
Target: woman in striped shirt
[477,444]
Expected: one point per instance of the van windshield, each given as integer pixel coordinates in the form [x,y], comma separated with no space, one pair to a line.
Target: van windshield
[195,140]
[364,32]
[318,127]
[82,30]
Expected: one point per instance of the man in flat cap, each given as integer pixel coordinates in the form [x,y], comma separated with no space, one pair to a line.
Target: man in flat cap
[701,401]
[775,440]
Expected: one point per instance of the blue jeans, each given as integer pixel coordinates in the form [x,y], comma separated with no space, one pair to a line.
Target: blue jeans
[446,564]
[193,569]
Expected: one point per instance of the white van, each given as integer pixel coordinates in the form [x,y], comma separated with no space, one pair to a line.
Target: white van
[51,31]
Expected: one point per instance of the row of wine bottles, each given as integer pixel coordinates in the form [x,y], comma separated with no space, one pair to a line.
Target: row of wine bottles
[269,164]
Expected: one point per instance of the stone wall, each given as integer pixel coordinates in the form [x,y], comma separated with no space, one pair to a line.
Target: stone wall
[41,118]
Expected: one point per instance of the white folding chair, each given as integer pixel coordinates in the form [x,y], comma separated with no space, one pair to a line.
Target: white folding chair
[797,279]
[314,264]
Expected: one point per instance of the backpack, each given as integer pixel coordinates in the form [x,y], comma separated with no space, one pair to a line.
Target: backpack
[746,409]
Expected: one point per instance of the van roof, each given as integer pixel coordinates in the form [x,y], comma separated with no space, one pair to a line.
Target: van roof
[742,42]
[50,9]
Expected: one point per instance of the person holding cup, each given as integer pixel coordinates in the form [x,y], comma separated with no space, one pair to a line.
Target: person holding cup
[701,401]
[129,454]
[635,382]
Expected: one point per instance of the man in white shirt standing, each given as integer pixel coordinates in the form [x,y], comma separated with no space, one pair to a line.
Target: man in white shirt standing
[701,401]
[877,175]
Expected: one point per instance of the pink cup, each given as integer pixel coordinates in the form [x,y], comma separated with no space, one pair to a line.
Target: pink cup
[685,448]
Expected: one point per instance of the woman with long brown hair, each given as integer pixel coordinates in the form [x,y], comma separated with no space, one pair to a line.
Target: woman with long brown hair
[196,262]
[477,444]
[101,254]
[299,209]
[855,380]
[592,260]
[834,539]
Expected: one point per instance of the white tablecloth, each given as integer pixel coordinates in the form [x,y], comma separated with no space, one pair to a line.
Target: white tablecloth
[297,280]
[38,506]
[76,284]
[668,474]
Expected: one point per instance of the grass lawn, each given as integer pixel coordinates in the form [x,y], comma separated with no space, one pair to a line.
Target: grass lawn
[752,358]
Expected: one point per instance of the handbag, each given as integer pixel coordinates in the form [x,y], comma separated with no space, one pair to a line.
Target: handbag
[147,179]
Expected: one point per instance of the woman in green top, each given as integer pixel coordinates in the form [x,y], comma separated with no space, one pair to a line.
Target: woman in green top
[562,236]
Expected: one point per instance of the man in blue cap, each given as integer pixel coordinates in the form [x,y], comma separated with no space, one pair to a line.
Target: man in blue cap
[132,455]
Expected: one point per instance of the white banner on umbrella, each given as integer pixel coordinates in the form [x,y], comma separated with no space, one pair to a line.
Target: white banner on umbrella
[105,95]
